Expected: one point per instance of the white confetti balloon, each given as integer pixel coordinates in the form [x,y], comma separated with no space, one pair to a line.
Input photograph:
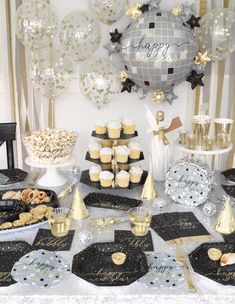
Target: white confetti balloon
[216,34]
[51,72]
[99,81]
[79,35]
[36,24]
[108,11]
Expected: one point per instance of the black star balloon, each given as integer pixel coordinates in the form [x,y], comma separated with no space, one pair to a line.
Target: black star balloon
[115,36]
[194,21]
[195,79]
[127,85]
[144,8]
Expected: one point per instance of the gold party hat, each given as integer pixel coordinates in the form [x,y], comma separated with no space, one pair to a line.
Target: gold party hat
[149,191]
[78,207]
[225,223]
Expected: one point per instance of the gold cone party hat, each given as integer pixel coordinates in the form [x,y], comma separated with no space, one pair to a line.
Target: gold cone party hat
[78,208]
[149,191]
[225,223]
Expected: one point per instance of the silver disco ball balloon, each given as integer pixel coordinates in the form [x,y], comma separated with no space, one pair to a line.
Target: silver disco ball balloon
[158,50]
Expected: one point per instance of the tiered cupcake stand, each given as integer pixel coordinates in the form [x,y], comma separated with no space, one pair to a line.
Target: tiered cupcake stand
[114,166]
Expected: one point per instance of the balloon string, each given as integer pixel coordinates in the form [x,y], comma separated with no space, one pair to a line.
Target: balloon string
[51,114]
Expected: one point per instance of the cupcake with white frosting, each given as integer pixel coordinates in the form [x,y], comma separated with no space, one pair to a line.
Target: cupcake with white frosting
[94,149]
[128,127]
[100,127]
[122,153]
[135,174]
[135,150]
[123,179]
[106,178]
[114,129]
[94,173]
[106,155]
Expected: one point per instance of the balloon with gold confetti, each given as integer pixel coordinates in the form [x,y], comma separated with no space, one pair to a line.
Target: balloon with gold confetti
[79,35]
[99,81]
[36,24]
[107,11]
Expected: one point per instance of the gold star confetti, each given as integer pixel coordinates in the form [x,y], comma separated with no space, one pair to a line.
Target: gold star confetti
[133,10]
[202,58]
[176,10]
[158,97]
[123,76]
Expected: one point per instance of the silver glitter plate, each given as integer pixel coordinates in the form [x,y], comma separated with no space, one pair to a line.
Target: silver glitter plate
[164,271]
[40,268]
[189,182]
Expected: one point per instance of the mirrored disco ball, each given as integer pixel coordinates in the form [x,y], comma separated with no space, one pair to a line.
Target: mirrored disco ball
[158,50]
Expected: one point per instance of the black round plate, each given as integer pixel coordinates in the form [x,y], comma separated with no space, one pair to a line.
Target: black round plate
[229,175]
[10,210]
[230,190]
[95,265]
[203,265]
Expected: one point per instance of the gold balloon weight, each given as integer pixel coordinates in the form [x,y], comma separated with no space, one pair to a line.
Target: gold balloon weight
[78,207]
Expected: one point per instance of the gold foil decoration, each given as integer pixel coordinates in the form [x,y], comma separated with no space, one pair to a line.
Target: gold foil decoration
[65,192]
[133,10]
[123,76]
[149,191]
[176,10]
[158,97]
[225,223]
[162,136]
[78,207]
[202,58]
[104,222]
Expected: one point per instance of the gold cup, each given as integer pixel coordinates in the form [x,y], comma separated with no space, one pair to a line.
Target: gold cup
[191,141]
[222,126]
[208,143]
[183,137]
[59,220]
[140,219]
[201,126]
[223,140]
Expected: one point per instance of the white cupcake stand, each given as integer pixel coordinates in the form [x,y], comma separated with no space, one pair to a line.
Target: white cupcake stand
[52,177]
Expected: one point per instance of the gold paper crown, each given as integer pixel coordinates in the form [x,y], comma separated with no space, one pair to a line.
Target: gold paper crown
[78,207]
[225,223]
[149,191]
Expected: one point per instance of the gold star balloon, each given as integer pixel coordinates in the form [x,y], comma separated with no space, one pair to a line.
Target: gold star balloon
[133,10]
[158,97]
[202,58]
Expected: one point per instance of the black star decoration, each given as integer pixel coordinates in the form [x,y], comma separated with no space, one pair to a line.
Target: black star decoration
[127,85]
[195,79]
[194,21]
[144,8]
[115,36]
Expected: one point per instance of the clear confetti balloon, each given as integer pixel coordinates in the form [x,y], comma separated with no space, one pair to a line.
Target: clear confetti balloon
[99,81]
[158,50]
[36,24]
[79,35]
[50,72]
[216,34]
[108,11]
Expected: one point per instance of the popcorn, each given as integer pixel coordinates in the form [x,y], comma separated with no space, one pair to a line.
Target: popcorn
[50,145]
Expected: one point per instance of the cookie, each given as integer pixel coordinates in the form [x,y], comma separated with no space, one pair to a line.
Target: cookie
[18,223]
[8,195]
[17,196]
[214,254]
[32,221]
[38,216]
[42,209]
[25,217]
[6,225]
[46,200]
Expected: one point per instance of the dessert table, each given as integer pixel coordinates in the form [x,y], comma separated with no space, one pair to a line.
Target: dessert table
[76,290]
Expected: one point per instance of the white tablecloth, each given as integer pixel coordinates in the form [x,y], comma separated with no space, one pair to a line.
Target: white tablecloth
[76,290]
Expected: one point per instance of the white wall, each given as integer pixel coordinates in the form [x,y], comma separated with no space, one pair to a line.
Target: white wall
[73,110]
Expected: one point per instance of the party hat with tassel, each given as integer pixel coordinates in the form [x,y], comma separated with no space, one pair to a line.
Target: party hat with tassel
[149,191]
[225,223]
[78,207]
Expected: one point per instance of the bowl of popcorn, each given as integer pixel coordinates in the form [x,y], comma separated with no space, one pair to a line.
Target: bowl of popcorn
[50,146]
